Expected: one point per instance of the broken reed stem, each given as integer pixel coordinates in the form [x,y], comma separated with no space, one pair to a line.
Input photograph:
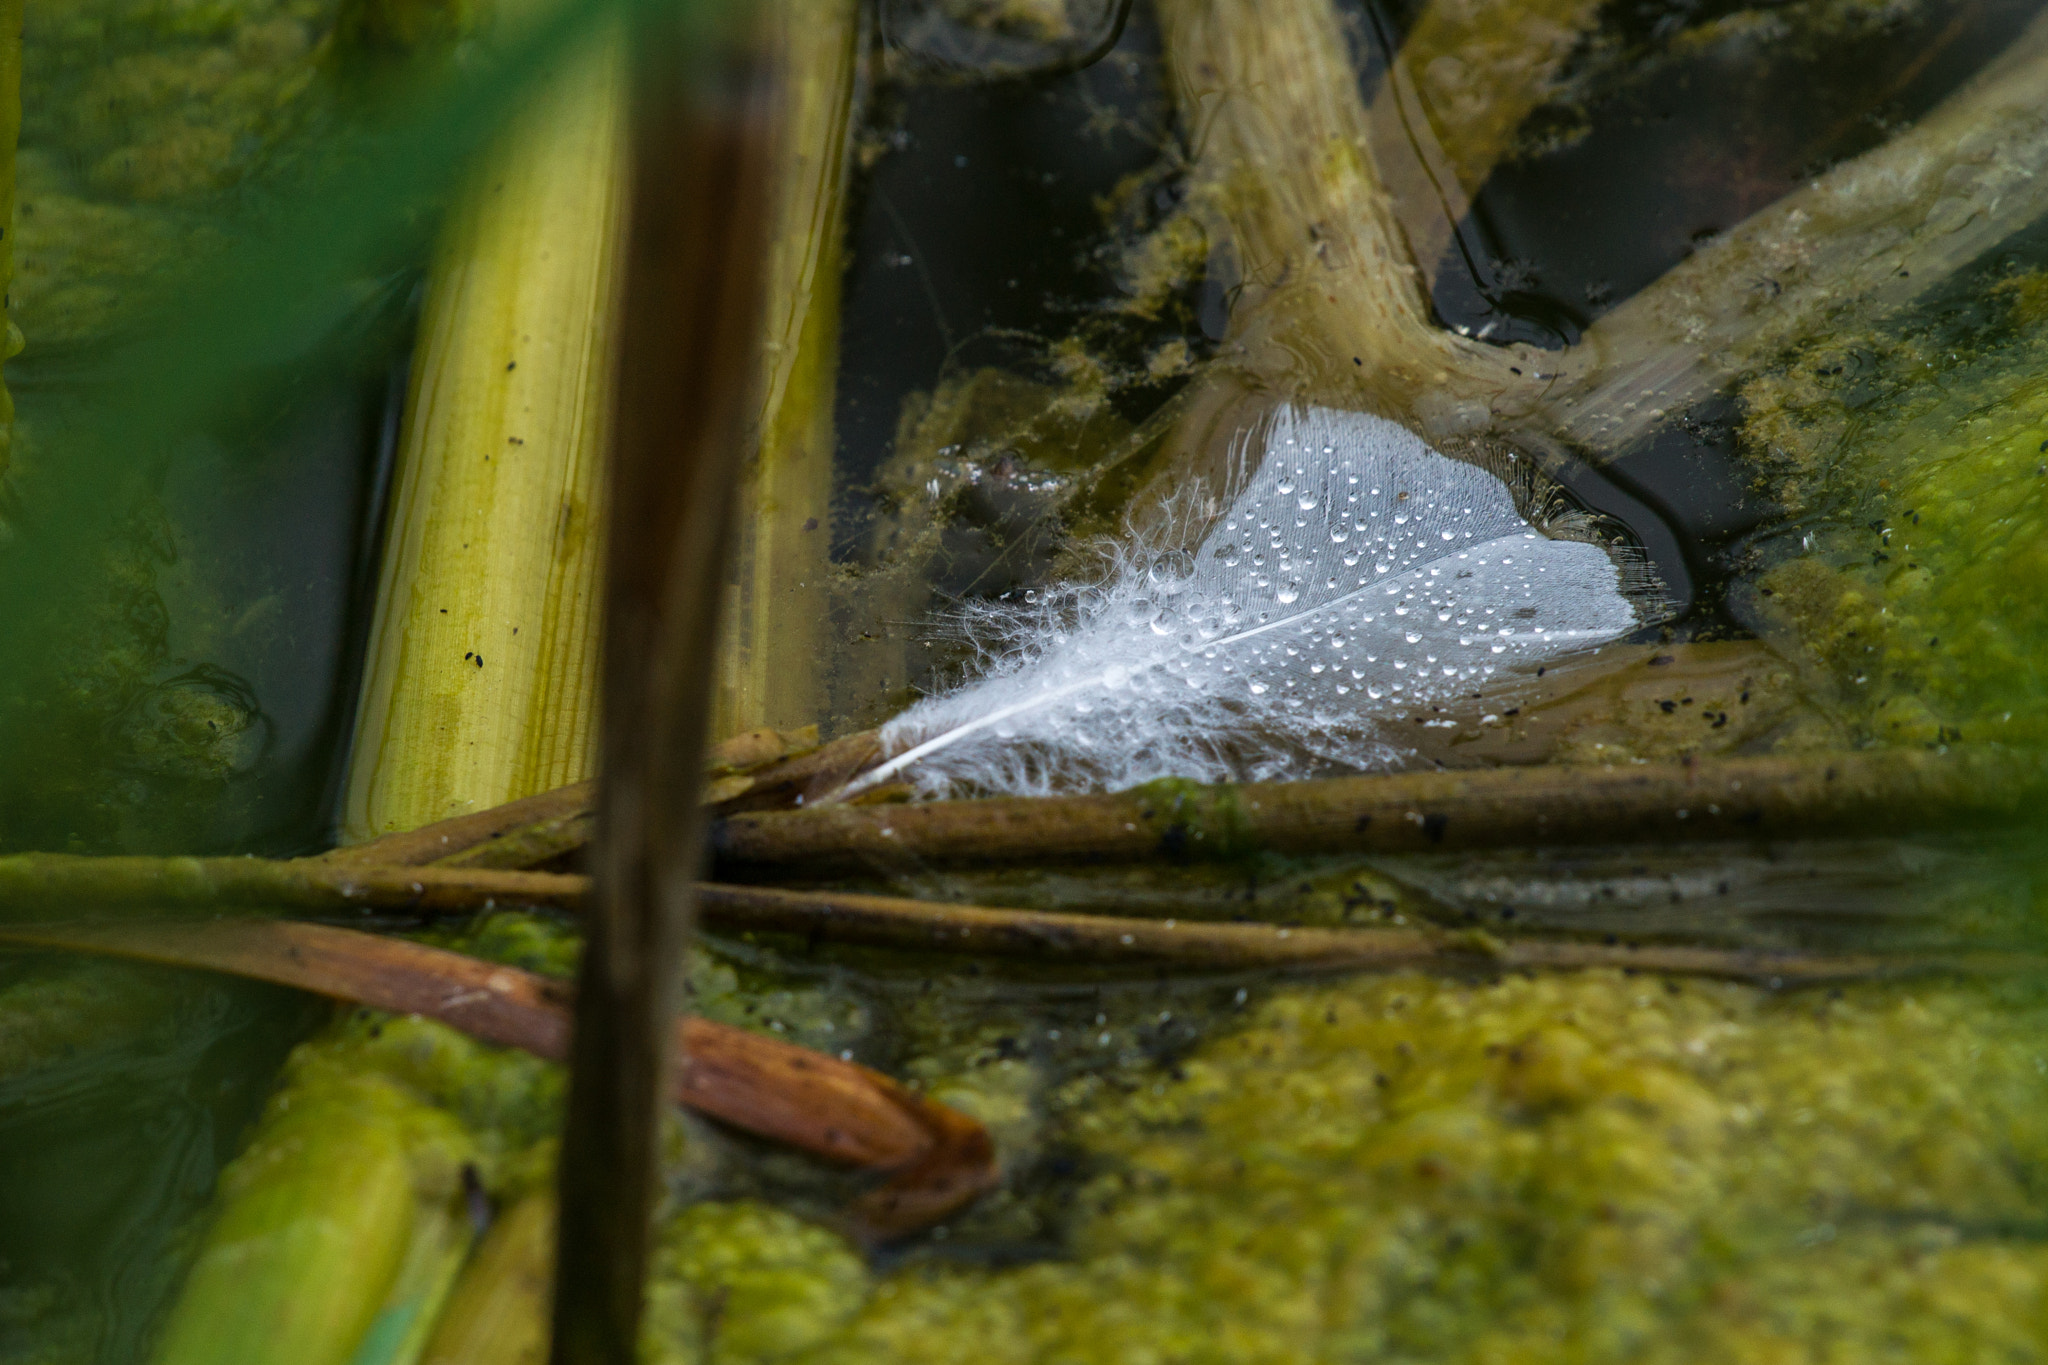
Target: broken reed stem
[759,768]
[1333,310]
[832,1109]
[1873,233]
[464,833]
[1779,797]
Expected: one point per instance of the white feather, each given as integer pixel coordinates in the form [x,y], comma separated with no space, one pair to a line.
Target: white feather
[1357,575]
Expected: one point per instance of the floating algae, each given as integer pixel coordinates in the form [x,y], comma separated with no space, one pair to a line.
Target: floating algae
[1914,464]
[1586,1168]
[139,117]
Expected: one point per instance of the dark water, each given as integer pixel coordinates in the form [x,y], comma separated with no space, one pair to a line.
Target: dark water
[199,693]
[111,1147]
[240,577]
[1661,159]
[977,238]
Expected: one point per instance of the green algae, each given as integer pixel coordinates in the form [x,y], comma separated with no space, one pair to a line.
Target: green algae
[744,990]
[746,1281]
[115,727]
[156,133]
[1586,1167]
[58,1011]
[1915,465]
[139,115]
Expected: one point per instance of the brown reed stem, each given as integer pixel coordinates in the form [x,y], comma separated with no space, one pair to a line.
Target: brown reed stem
[832,1109]
[1773,797]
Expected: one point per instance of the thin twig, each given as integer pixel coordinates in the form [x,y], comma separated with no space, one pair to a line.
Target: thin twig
[890,922]
[922,926]
[41,885]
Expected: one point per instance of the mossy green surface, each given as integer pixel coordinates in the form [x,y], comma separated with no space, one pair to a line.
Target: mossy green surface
[1582,1167]
[139,114]
[1915,466]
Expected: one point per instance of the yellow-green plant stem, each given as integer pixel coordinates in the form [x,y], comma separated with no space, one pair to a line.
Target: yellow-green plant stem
[481,684]
[498,1314]
[480,687]
[338,1229]
[435,1252]
[773,632]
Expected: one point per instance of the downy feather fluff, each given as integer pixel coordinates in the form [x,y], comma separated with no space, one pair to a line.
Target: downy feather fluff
[1357,575]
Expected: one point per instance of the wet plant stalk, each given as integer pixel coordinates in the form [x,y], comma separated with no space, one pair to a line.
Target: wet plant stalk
[1778,797]
[702,142]
[498,1312]
[773,631]
[481,683]
[333,1242]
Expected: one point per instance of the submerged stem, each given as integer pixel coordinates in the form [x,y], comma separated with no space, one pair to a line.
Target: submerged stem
[769,665]
[1333,310]
[1869,235]
[889,922]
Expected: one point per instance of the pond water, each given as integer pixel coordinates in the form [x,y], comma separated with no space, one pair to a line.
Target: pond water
[1037,291]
